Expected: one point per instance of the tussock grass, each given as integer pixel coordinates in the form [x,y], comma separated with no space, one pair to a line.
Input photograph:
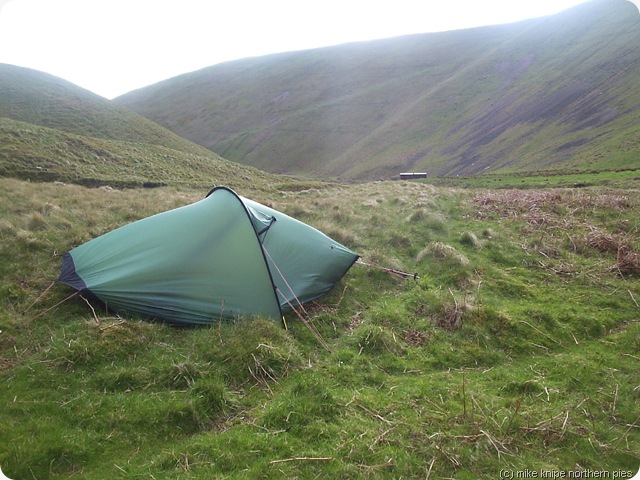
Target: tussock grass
[470,239]
[520,354]
[443,252]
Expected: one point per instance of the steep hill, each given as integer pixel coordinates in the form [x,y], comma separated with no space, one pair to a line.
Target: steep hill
[51,129]
[559,92]
[41,99]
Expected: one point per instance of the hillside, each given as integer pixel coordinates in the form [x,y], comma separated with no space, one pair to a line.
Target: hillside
[41,99]
[558,92]
[51,130]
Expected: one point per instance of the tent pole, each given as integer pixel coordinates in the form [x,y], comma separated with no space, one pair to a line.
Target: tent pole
[393,271]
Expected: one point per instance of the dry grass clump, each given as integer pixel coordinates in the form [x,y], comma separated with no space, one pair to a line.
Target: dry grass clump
[48,208]
[489,234]
[535,206]
[372,202]
[377,257]
[470,239]
[415,338]
[37,221]
[451,318]
[418,215]
[433,221]
[341,235]
[515,202]
[442,251]
[6,226]
[603,242]
[298,212]
[627,261]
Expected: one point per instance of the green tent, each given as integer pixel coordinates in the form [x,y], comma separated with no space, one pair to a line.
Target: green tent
[222,257]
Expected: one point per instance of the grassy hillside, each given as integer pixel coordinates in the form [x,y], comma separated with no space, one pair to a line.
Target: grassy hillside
[517,348]
[44,154]
[45,100]
[53,130]
[553,93]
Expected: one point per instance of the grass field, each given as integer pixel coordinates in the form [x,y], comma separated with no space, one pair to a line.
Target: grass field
[618,178]
[517,348]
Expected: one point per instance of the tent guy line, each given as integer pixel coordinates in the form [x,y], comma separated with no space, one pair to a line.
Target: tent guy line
[392,271]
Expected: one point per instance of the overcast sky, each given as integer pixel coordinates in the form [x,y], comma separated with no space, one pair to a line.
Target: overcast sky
[115,46]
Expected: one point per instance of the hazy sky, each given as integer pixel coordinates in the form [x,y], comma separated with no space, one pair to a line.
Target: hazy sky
[115,46]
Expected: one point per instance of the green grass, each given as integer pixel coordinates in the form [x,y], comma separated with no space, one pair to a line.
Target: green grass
[518,347]
[41,99]
[623,177]
[45,154]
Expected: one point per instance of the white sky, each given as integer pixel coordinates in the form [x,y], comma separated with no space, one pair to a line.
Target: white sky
[114,46]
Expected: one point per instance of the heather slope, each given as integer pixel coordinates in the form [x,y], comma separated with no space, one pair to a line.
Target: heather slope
[551,93]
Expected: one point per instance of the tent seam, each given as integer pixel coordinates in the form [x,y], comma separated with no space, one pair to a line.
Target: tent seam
[264,258]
